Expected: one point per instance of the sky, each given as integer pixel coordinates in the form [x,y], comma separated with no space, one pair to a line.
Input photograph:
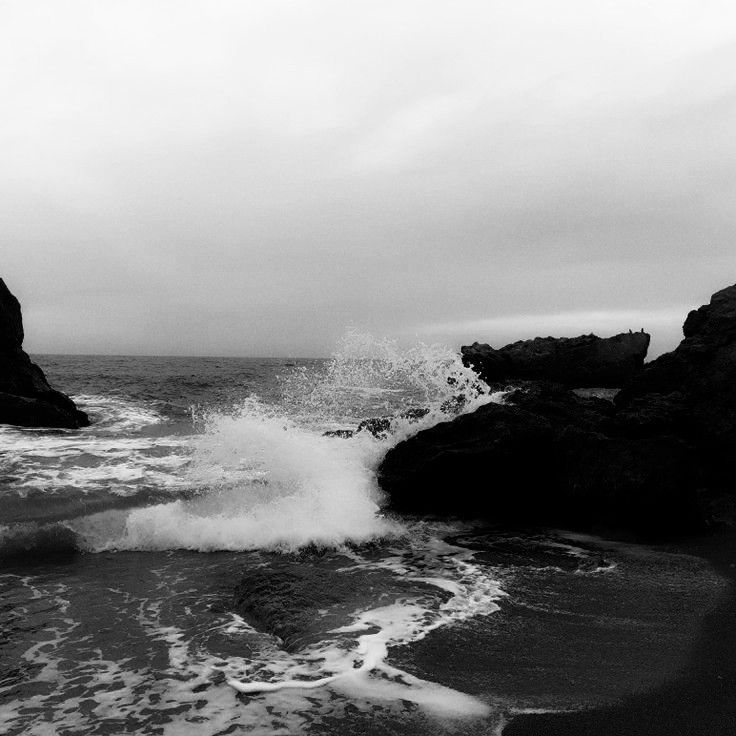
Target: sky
[253,178]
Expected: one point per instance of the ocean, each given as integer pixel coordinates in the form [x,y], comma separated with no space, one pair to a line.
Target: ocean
[211,556]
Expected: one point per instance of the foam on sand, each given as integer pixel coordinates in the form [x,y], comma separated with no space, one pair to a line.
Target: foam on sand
[363,671]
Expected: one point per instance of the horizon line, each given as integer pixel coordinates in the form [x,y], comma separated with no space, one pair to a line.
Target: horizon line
[179,355]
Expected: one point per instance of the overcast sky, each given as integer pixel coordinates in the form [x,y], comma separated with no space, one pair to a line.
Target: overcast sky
[251,178]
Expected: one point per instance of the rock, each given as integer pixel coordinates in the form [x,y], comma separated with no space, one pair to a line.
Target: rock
[691,392]
[543,457]
[658,459]
[11,322]
[284,601]
[26,399]
[377,426]
[380,427]
[581,361]
[342,433]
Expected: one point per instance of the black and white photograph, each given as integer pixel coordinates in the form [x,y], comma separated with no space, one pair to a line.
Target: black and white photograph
[367,368]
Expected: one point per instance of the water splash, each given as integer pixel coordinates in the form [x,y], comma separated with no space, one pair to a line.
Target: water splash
[368,376]
[268,475]
[256,475]
[264,482]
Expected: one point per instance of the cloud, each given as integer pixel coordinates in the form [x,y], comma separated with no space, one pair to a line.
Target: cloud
[664,324]
[249,178]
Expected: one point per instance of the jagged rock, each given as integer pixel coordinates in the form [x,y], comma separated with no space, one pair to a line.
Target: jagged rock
[692,390]
[26,399]
[581,361]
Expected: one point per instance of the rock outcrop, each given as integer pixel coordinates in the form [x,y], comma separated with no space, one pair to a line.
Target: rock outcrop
[545,456]
[691,391]
[659,459]
[582,361]
[26,399]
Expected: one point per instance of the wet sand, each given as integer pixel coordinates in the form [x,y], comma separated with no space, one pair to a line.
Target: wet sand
[699,701]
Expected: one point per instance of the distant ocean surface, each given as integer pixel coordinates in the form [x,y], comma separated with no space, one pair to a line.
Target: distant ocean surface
[204,560]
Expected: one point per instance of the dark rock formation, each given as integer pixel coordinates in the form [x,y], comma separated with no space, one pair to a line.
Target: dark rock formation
[587,360]
[543,457]
[692,390]
[26,399]
[659,459]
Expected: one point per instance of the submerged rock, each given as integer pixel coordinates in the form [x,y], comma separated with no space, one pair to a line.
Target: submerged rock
[26,399]
[379,427]
[581,361]
[658,460]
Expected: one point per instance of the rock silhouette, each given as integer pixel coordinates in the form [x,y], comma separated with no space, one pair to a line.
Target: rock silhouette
[26,399]
[658,460]
[583,361]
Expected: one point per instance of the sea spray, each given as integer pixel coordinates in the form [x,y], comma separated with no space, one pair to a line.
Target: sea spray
[268,477]
[256,474]
[266,483]
[368,376]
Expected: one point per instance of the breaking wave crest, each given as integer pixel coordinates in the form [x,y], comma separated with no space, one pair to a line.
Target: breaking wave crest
[261,475]
[263,482]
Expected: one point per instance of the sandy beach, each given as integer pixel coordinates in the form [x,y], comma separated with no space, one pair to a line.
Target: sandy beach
[700,701]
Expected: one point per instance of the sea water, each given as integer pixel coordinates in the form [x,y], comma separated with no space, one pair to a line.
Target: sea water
[209,557]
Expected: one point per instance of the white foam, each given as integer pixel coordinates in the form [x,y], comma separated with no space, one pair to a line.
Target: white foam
[111,456]
[267,476]
[266,483]
[258,476]
[363,671]
[176,664]
[118,413]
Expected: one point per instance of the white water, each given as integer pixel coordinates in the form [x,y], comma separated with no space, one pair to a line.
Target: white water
[363,671]
[117,643]
[266,476]
[266,482]
[163,615]
[111,457]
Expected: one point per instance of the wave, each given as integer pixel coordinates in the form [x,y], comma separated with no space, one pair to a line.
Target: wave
[265,482]
[271,479]
[118,413]
[255,475]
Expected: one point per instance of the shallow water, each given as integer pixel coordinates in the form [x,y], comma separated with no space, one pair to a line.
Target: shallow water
[204,560]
